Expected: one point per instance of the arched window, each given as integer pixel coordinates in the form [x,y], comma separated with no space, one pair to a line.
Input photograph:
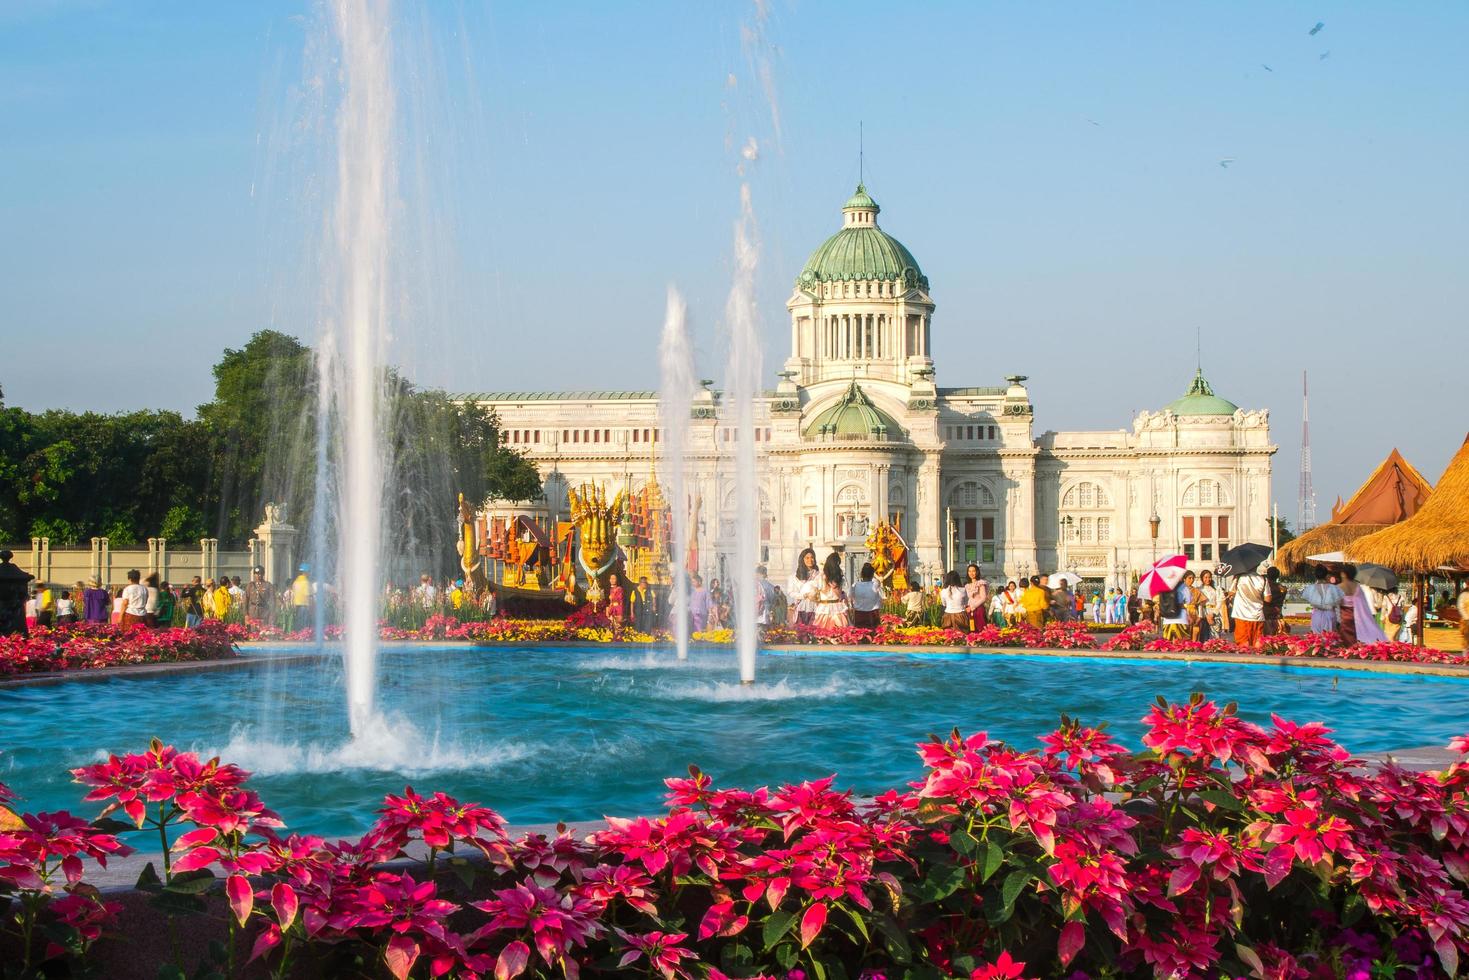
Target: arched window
[1204,527]
[972,507]
[1086,496]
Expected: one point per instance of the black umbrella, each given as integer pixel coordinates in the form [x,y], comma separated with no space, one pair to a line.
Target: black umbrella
[1243,558]
[1378,576]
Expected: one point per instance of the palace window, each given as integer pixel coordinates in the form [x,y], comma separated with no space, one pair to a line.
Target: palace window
[811,527]
[1204,536]
[972,507]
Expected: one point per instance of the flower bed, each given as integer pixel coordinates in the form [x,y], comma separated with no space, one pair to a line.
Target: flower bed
[1239,851]
[92,646]
[584,627]
[1327,645]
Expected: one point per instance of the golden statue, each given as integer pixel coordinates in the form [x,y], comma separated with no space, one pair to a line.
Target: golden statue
[597,523]
[470,564]
[889,556]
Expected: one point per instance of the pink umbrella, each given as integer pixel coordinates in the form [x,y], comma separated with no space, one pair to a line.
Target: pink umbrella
[1164,576]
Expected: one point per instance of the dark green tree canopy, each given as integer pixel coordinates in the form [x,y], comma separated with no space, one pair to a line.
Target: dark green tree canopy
[133,475]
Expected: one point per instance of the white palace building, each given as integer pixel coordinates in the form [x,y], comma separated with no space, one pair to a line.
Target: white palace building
[859,431]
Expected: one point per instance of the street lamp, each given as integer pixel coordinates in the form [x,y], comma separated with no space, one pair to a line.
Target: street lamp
[1065,545]
[1154,523]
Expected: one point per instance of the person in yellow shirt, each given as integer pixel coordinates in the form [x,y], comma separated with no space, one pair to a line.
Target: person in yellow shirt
[301,598]
[223,602]
[1034,602]
[456,595]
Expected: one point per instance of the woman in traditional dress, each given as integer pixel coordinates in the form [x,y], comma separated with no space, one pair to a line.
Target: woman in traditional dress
[1204,626]
[615,603]
[1325,600]
[716,605]
[801,590]
[1358,625]
[978,592]
[831,601]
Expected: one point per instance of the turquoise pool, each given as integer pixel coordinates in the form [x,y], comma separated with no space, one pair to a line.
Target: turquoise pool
[546,734]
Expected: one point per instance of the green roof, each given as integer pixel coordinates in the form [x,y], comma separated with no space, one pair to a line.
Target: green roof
[863,252]
[1201,400]
[861,201]
[853,418]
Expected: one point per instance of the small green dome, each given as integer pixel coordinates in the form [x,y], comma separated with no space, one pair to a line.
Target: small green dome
[861,250]
[853,418]
[861,201]
[1201,400]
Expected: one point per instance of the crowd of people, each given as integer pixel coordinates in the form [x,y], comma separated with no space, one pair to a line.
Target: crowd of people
[151,602]
[817,595]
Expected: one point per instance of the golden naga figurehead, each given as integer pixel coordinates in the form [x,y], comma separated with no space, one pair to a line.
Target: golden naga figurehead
[596,521]
[888,554]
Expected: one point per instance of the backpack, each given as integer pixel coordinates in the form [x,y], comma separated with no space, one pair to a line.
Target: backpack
[1168,605]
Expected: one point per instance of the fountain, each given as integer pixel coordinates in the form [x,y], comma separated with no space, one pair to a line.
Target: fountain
[676,398]
[743,386]
[352,377]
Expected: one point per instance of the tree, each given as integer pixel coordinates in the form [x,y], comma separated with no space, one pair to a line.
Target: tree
[1280,526]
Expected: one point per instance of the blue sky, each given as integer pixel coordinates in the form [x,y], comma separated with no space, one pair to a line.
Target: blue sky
[1055,168]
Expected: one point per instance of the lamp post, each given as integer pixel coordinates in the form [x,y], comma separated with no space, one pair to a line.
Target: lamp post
[1154,523]
[1065,544]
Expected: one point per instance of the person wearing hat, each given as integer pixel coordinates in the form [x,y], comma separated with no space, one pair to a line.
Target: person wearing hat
[96,603]
[259,597]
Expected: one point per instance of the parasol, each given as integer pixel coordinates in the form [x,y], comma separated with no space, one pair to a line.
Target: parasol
[1069,579]
[1163,576]
[1380,577]
[1243,559]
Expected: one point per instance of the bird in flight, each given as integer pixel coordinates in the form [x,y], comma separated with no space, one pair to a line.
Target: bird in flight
[1226,162]
[1317,29]
[1267,68]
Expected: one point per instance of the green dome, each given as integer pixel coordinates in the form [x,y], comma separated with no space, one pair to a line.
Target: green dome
[861,250]
[1201,400]
[853,418]
[861,201]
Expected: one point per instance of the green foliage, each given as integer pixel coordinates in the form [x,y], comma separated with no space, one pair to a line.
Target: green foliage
[134,475]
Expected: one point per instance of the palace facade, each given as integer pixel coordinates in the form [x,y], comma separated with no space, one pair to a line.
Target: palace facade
[858,431]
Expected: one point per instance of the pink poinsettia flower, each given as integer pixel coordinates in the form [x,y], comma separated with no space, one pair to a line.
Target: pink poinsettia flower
[1004,967]
[661,949]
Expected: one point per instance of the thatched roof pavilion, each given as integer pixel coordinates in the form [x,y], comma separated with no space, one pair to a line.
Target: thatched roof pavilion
[1437,537]
[1393,493]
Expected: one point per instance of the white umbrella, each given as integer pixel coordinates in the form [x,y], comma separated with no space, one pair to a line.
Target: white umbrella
[1068,579]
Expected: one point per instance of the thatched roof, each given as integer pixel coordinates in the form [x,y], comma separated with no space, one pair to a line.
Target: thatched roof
[1393,492]
[1320,540]
[1435,537]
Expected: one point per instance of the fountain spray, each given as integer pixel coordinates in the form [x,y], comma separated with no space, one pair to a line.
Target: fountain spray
[366,181]
[744,381]
[676,359]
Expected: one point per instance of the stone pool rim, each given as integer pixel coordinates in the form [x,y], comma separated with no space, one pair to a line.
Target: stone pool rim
[258,653]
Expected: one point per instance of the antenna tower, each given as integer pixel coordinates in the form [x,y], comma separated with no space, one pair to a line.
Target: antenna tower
[1306,499]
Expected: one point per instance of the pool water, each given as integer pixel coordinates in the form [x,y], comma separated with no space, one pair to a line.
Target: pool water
[544,734]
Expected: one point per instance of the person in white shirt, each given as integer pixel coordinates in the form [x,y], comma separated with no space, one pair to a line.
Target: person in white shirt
[1325,600]
[425,594]
[66,610]
[1248,609]
[867,596]
[804,587]
[956,604]
[134,599]
[913,604]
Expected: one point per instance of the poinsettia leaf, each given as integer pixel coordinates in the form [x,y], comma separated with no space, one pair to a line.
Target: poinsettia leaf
[777,924]
[193,882]
[1221,798]
[1015,883]
[109,826]
[963,842]
[857,920]
[994,856]
[941,882]
[148,880]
